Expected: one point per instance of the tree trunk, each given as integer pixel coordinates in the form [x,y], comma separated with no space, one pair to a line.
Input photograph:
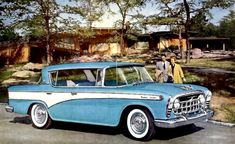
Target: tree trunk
[187,46]
[181,44]
[48,50]
[122,45]
[187,28]
[122,42]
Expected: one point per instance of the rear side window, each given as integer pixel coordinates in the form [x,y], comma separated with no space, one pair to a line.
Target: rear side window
[74,77]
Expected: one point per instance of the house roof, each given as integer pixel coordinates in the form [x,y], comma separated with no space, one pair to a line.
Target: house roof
[207,38]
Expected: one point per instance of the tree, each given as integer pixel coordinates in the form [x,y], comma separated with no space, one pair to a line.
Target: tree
[183,13]
[8,34]
[125,9]
[88,11]
[83,13]
[33,16]
[227,27]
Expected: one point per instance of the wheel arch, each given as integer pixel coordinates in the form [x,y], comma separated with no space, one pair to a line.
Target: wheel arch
[128,108]
[37,102]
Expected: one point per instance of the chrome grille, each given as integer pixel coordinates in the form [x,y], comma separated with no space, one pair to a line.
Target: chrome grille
[188,104]
[208,104]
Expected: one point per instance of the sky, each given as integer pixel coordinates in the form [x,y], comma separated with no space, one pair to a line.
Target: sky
[108,20]
[219,13]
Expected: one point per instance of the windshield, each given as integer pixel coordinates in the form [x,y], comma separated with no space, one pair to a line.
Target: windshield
[126,75]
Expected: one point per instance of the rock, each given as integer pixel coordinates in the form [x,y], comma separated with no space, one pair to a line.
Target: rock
[13,81]
[107,58]
[133,51]
[23,74]
[33,67]
[197,53]
[93,58]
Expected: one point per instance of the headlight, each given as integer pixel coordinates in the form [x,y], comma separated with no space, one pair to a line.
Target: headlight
[208,95]
[176,104]
[202,99]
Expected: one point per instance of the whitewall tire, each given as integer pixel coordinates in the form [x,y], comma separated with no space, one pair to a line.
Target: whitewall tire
[140,124]
[40,117]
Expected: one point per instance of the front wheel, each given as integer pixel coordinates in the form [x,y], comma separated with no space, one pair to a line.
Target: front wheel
[140,124]
[40,117]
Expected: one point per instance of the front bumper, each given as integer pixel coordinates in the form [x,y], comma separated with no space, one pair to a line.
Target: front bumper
[183,120]
[9,108]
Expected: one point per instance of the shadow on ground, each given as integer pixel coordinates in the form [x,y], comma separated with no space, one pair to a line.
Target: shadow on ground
[22,120]
[167,134]
[161,133]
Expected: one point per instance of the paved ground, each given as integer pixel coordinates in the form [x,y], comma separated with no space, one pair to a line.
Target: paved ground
[15,128]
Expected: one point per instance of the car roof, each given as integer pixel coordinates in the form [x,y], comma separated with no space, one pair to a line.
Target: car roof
[89,65]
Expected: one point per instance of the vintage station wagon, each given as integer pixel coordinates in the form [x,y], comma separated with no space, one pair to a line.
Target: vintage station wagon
[109,94]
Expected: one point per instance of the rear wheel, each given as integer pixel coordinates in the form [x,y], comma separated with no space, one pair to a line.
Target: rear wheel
[140,124]
[40,117]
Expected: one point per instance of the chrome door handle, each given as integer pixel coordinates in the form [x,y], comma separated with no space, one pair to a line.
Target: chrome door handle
[73,93]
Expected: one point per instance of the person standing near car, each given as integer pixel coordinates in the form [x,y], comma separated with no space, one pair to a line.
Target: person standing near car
[162,69]
[175,71]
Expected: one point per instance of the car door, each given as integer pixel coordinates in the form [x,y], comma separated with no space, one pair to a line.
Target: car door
[79,97]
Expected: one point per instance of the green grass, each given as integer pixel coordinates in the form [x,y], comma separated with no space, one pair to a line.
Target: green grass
[193,78]
[227,64]
[230,112]
[5,75]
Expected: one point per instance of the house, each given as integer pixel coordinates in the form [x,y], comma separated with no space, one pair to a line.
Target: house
[101,41]
[209,43]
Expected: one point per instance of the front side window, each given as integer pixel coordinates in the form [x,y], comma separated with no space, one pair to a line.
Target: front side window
[74,77]
[119,76]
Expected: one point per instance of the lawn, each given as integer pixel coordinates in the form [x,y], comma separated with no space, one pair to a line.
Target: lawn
[226,64]
[5,74]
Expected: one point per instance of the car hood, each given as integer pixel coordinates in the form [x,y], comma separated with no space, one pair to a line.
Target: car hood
[168,88]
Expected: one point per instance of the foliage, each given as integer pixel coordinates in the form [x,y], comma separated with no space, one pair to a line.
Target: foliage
[81,15]
[192,78]
[8,34]
[183,13]
[201,26]
[4,74]
[124,9]
[89,11]
[38,17]
[44,18]
[227,27]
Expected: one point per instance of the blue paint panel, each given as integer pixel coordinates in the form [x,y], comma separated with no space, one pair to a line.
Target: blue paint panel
[90,111]
[90,65]
[157,108]
[22,106]
[101,111]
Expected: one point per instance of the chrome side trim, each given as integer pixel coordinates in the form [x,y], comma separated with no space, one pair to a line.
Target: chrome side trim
[183,120]
[9,109]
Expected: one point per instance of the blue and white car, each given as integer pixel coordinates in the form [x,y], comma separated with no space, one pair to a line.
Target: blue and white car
[109,94]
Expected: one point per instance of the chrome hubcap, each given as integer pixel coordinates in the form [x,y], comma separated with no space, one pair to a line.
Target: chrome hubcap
[138,123]
[40,114]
